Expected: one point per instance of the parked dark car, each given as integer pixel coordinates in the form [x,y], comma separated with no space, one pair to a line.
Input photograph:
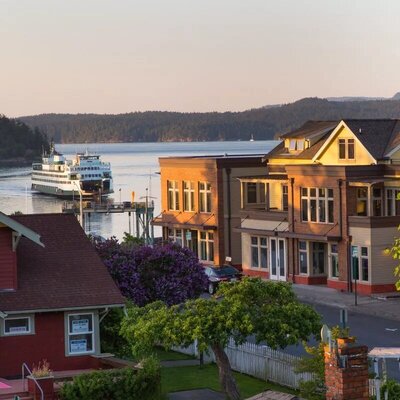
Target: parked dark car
[226,273]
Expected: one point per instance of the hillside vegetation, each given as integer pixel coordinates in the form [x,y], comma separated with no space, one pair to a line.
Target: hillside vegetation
[19,142]
[157,126]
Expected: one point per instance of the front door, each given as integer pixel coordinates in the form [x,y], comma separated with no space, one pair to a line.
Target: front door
[278,259]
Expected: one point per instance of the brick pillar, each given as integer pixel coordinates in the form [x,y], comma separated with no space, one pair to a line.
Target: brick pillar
[346,371]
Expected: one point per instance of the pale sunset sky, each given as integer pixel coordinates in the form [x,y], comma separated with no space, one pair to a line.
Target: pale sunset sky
[116,56]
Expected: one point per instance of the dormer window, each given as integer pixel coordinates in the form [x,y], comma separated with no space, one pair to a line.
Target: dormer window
[300,145]
[296,145]
[292,145]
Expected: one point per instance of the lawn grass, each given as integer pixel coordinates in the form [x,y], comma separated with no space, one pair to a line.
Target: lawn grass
[169,355]
[194,377]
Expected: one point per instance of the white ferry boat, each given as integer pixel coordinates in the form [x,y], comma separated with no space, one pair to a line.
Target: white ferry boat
[86,173]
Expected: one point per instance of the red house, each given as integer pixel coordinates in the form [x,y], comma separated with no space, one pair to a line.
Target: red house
[54,292]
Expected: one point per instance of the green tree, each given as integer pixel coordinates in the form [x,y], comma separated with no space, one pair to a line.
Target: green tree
[268,310]
[395,253]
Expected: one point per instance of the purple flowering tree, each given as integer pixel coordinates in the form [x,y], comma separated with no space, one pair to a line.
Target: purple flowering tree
[144,274]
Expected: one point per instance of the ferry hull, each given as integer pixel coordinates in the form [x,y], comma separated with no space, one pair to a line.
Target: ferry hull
[66,194]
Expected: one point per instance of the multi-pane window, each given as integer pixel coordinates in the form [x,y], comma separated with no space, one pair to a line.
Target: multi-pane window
[377,202]
[317,205]
[360,262]
[362,201]
[175,235]
[173,195]
[17,326]
[206,240]
[285,197]
[205,197]
[188,196]
[346,149]
[303,257]
[318,258]
[259,251]
[392,202]
[80,333]
[334,261]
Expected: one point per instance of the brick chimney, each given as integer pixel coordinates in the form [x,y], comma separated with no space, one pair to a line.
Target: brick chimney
[8,260]
[346,371]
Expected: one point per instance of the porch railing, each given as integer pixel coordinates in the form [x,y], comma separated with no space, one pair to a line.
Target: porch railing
[24,369]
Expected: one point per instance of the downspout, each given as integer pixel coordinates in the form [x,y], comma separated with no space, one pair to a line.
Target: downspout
[292,223]
[340,208]
[348,245]
[228,176]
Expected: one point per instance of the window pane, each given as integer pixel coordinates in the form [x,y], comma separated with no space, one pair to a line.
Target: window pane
[304,192]
[364,269]
[321,192]
[15,326]
[254,257]
[342,149]
[254,240]
[208,207]
[251,192]
[210,251]
[80,323]
[263,241]
[313,192]
[364,251]
[81,343]
[313,210]
[263,261]
[304,209]
[350,149]
[302,245]
[273,257]
[303,262]
[322,211]
[262,193]
[334,266]
[203,250]
[330,211]
[330,192]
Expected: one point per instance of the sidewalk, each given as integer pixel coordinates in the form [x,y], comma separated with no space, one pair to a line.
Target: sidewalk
[379,305]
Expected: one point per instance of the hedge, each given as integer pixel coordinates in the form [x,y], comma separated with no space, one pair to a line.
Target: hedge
[116,384]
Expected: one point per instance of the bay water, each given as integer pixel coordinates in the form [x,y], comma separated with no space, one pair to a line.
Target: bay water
[134,166]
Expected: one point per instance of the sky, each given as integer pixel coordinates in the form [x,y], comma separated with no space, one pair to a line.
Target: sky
[117,56]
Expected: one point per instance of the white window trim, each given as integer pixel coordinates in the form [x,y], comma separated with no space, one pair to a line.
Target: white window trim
[174,235]
[203,194]
[360,257]
[346,149]
[207,241]
[330,261]
[307,251]
[317,198]
[393,198]
[68,334]
[174,189]
[259,246]
[31,326]
[188,191]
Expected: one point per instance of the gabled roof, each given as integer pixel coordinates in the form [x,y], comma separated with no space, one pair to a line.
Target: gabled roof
[378,136]
[66,274]
[21,229]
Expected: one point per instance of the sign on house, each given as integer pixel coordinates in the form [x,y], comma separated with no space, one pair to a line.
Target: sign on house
[80,325]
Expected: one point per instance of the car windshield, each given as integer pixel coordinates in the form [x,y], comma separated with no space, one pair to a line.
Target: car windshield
[226,271]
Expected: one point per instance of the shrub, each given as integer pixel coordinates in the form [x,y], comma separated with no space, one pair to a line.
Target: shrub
[116,384]
[392,388]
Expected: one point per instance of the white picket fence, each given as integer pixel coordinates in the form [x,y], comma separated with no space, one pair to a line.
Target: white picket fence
[259,361]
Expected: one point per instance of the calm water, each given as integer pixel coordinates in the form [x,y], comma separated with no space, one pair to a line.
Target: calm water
[134,167]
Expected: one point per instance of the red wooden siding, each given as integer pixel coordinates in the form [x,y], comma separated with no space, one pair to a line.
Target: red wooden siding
[47,343]
[8,261]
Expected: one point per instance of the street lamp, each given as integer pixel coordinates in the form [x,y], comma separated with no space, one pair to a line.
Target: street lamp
[120,195]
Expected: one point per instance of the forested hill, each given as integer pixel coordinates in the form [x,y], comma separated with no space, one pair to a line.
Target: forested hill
[157,126]
[19,143]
